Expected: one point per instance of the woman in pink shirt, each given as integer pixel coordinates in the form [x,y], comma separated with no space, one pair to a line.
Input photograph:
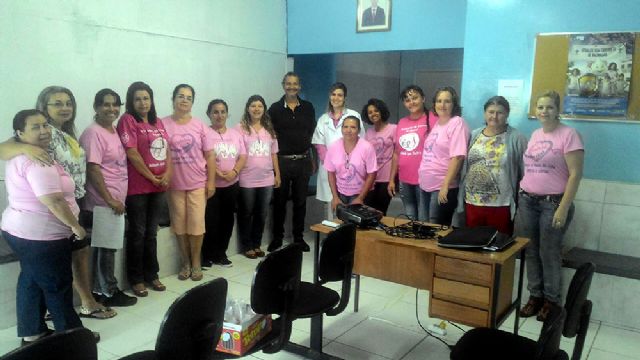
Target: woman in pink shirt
[553,165]
[409,142]
[258,177]
[192,181]
[443,154]
[230,159]
[149,169]
[381,136]
[351,165]
[40,224]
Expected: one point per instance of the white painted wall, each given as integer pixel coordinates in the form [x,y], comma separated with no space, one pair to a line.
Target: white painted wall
[223,48]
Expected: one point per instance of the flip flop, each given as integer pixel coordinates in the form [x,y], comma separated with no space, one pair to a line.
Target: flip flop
[139,290]
[184,273]
[99,313]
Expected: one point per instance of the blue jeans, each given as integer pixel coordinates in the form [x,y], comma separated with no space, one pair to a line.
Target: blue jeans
[414,201]
[44,283]
[252,214]
[543,255]
[143,213]
[440,213]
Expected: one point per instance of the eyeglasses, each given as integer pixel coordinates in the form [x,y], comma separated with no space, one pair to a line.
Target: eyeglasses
[60,104]
[182,97]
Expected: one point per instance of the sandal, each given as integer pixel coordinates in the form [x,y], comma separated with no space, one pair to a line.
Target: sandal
[184,273]
[259,252]
[250,254]
[139,290]
[157,285]
[99,313]
[196,274]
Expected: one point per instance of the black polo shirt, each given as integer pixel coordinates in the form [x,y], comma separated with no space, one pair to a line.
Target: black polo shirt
[294,128]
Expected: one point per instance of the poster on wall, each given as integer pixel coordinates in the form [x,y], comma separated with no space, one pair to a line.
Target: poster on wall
[599,74]
[373,15]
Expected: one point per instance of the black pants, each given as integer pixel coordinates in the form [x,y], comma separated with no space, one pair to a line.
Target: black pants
[295,176]
[379,198]
[143,213]
[219,222]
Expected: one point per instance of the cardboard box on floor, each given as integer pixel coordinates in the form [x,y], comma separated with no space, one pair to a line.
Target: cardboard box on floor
[237,339]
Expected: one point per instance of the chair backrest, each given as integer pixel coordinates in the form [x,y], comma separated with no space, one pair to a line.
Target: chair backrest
[193,323]
[74,344]
[548,346]
[336,253]
[576,298]
[276,281]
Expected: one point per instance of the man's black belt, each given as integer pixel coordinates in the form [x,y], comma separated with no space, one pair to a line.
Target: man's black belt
[294,157]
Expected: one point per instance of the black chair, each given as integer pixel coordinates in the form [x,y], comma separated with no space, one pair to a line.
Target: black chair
[275,287]
[506,345]
[74,344]
[192,325]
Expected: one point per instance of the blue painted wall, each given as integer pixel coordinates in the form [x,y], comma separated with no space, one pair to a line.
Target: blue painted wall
[499,44]
[329,26]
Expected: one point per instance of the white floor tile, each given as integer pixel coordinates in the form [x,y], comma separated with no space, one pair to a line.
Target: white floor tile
[616,340]
[349,352]
[596,354]
[429,348]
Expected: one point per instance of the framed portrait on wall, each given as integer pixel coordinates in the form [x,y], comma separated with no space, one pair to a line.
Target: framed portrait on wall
[373,15]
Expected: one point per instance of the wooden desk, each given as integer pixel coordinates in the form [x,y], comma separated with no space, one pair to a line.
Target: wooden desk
[468,287]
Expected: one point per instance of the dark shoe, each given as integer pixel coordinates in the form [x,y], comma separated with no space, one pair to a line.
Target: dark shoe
[98,298]
[139,290]
[250,254]
[275,245]
[532,307]
[45,334]
[547,308]
[119,299]
[224,262]
[303,245]
[259,252]
[208,263]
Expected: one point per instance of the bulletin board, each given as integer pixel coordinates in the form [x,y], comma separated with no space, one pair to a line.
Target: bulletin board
[550,73]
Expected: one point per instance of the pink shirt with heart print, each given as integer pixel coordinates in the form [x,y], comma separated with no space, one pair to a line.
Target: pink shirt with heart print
[188,143]
[545,169]
[383,143]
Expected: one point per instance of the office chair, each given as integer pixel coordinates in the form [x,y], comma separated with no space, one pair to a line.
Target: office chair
[73,344]
[578,313]
[274,290]
[335,263]
[192,325]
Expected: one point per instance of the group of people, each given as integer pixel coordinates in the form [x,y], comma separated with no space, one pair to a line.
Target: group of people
[129,163]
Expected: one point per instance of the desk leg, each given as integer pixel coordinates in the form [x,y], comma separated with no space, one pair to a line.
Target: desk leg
[356,300]
[494,300]
[316,321]
[519,295]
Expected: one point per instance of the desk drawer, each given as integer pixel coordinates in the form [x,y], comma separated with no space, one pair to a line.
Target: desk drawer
[458,313]
[463,293]
[463,270]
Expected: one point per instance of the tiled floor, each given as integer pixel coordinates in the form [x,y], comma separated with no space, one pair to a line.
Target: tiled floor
[384,328]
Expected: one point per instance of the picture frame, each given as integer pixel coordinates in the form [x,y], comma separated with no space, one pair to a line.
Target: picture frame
[373,15]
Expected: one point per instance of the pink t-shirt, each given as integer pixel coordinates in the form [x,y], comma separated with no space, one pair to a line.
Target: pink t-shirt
[383,142]
[26,217]
[188,142]
[152,143]
[443,143]
[258,170]
[545,169]
[228,147]
[105,149]
[409,140]
[351,170]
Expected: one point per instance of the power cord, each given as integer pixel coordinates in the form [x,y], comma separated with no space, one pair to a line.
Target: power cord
[427,331]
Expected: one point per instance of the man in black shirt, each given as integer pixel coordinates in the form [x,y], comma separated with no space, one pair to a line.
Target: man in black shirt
[294,121]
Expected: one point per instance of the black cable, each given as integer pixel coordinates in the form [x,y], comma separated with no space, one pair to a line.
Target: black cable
[425,330]
[456,325]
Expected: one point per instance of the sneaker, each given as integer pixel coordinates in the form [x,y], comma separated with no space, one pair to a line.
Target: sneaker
[119,299]
[46,333]
[224,262]
[207,263]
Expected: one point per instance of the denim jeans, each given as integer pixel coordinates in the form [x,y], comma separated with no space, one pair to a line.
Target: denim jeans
[252,214]
[543,255]
[219,221]
[440,213]
[295,176]
[104,280]
[44,283]
[347,199]
[413,201]
[143,213]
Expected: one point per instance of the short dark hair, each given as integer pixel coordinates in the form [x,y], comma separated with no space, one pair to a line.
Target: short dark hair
[290,73]
[498,100]
[98,100]
[336,86]
[457,109]
[215,102]
[140,86]
[378,104]
[180,86]
[20,119]
[351,117]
